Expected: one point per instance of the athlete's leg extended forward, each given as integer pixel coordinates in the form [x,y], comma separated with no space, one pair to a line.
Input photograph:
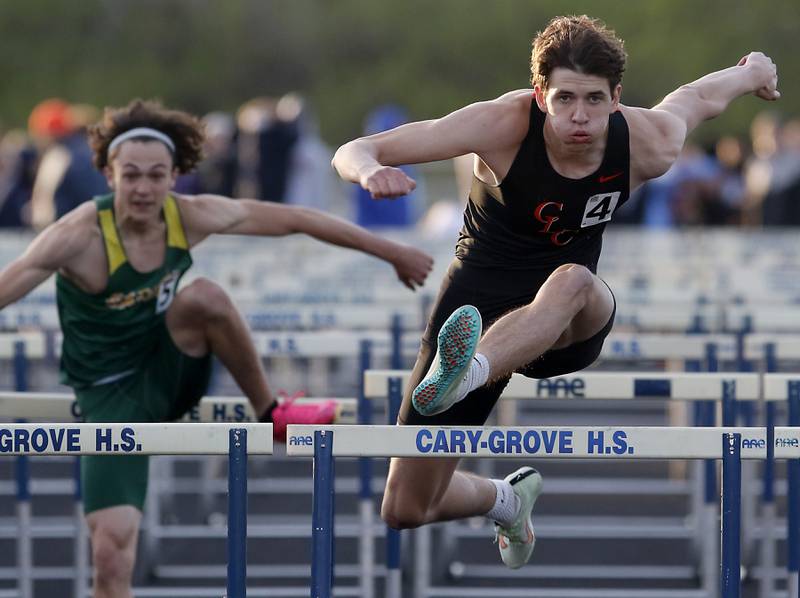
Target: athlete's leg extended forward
[572,306]
[203,319]
[420,491]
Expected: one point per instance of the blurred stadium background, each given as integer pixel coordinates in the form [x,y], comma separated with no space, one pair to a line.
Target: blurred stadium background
[710,247]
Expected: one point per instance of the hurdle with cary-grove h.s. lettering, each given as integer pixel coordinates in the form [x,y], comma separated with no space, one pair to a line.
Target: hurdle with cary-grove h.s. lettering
[702,389]
[323,443]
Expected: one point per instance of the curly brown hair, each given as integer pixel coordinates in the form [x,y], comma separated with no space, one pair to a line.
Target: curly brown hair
[578,43]
[186,131]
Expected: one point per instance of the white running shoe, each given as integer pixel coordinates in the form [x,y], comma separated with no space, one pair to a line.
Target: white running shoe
[517,541]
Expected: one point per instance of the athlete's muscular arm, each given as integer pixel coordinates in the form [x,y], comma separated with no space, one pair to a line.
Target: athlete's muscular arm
[54,248]
[208,214]
[492,129]
[709,96]
[658,134]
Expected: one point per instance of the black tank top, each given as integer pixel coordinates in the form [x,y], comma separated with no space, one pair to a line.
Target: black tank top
[537,219]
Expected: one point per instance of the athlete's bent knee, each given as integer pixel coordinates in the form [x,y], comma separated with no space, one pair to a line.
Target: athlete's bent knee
[403,516]
[403,509]
[205,298]
[575,279]
[113,563]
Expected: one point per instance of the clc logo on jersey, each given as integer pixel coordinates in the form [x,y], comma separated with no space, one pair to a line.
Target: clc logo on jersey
[598,209]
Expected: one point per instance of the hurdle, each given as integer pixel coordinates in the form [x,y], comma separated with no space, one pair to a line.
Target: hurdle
[770,318]
[607,385]
[701,388]
[698,352]
[642,349]
[781,388]
[636,316]
[770,349]
[22,349]
[235,440]
[55,406]
[62,407]
[324,443]
[257,315]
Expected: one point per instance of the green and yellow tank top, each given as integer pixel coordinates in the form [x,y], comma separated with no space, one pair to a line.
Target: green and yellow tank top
[108,335]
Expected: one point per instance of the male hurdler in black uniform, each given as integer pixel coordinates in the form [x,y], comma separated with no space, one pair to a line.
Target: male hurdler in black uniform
[552,164]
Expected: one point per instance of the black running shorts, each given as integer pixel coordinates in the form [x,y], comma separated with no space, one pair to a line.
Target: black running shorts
[495,294]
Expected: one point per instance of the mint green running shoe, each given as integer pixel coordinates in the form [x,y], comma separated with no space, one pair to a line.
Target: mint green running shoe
[517,541]
[458,340]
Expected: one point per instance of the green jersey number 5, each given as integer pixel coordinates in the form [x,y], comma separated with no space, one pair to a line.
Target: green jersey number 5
[166,291]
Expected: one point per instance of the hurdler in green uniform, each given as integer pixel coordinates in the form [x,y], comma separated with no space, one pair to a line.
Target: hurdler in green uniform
[129,334]
[120,358]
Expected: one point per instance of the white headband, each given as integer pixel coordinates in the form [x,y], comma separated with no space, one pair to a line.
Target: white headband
[141,132]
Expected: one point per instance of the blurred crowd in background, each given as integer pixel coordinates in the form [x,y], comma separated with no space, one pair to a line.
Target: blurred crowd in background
[268,150]
[735,181]
[271,150]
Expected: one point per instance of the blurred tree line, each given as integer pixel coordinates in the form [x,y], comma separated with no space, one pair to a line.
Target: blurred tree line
[346,56]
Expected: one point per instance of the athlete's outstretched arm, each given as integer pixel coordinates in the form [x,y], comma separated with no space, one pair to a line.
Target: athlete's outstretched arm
[709,96]
[52,249]
[658,134]
[481,128]
[207,214]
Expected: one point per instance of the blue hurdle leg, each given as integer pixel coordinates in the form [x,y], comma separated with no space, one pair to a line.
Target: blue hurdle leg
[767,581]
[397,342]
[707,533]
[82,574]
[24,539]
[20,367]
[366,546]
[237,513]
[793,498]
[730,574]
[322,516]
[729,405]
[393,577]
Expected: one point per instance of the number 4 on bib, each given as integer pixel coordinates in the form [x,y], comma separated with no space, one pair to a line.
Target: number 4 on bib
[599,208]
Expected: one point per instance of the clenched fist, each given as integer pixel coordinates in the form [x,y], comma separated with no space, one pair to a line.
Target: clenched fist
[387,181]
[765,73]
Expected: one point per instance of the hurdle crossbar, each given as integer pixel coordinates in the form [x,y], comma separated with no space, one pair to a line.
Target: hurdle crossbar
[63,407]
[644,345]
[132,439]
[579,442]
[34,342]
[694,386]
